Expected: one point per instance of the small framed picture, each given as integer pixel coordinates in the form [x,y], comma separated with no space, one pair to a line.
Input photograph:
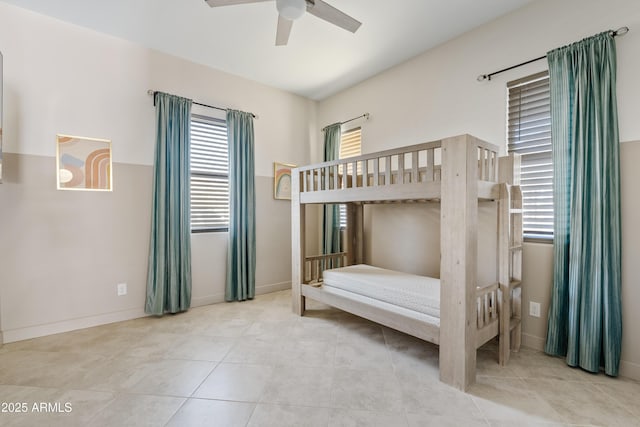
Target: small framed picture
[83,163]
[282,181]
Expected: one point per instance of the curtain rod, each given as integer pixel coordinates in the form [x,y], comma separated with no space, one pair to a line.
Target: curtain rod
[482,77]
[153,92]
[365,115]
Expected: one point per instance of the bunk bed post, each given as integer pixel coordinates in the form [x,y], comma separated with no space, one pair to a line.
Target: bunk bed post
[353,245]
[359,233]
[298,244]
[509,169]
[458,264]
[349,243]
[516,266]
[510,257]
[504,275]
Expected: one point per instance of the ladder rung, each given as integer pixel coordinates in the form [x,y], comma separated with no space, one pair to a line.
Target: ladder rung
[515,211]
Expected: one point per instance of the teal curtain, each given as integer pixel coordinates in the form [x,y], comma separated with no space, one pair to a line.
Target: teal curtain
[585,319]
[331,214]
[241,260]
[169,268]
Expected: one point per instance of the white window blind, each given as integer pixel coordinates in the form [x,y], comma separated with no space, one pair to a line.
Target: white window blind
[350,143]
[529,134]
[209,174]
[350,146]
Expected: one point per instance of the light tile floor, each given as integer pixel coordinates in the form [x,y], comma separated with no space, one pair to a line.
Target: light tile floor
[257,364]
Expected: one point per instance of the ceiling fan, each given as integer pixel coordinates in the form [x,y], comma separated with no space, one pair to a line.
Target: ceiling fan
[290,10]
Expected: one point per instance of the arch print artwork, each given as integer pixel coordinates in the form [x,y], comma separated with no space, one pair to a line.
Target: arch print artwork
[282,181]
[83,163]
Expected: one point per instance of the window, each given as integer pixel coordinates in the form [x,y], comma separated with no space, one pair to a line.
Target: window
[529,134]
[209,175]
[350,146]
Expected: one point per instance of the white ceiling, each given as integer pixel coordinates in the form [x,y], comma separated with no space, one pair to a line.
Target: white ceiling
[320,59]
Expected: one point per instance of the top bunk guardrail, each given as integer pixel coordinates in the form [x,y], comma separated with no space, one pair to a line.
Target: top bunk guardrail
[405,173]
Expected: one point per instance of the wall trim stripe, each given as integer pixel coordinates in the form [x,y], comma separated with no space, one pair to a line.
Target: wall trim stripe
[630,370]
[533,342]
[29,332]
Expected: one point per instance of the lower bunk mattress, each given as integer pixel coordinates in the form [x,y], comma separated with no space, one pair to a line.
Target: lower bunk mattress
[416,293]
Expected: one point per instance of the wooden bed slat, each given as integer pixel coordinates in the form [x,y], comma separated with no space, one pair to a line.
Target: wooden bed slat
[387,171]
[430,169]
[365,173]
[376,172]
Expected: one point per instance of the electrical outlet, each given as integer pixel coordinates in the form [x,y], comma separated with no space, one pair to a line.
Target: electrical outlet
[122,289]
[534,309]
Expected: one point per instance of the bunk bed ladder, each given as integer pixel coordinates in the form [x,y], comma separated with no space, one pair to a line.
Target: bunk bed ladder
[510,270]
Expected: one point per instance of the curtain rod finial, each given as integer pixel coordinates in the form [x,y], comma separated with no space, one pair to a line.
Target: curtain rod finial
[621,31]
[483,77]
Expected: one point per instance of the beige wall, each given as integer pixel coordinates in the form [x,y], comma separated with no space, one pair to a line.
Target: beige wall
[436,95]
[62,253]
[630,177]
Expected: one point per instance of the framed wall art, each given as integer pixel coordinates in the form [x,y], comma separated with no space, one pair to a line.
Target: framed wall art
[282,181]
[83,163]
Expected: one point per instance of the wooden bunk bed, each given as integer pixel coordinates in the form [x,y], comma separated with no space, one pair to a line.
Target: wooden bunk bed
[457,172]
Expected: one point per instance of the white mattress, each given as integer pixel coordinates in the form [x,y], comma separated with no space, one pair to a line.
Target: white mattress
[417,293]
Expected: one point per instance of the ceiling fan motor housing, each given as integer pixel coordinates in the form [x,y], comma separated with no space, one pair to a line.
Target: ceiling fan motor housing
[291,9]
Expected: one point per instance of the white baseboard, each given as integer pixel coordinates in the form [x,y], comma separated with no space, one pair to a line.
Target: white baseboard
[30,332]
[274,287]
[219,297]
[630,370]
[12,335]
[627,369]
[208,300]
[533,342]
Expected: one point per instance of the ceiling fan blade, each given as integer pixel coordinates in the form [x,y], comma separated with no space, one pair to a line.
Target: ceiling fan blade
[330,14]
[217,3]
[284,29]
